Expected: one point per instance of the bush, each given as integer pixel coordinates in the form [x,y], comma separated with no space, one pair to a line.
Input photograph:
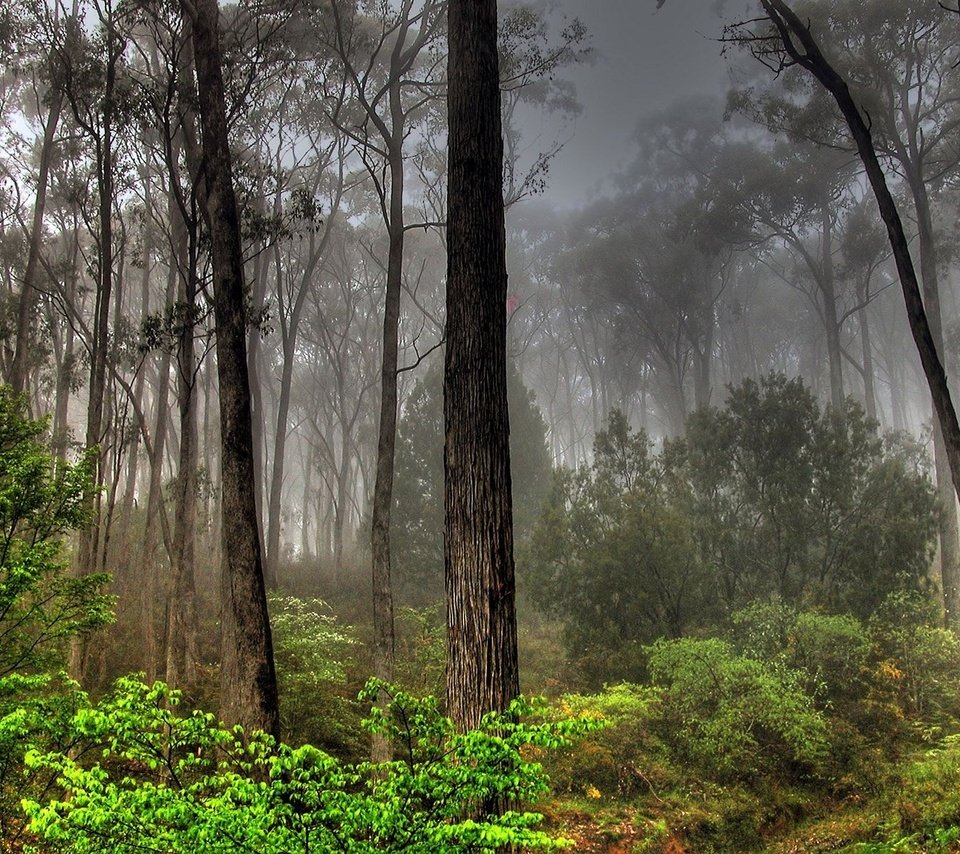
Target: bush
[186,784]
[42,498]
[310,649]
[735,717]
[616,759]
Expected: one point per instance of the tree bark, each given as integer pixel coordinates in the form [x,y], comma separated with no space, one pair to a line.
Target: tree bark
[482,671]
[248,685]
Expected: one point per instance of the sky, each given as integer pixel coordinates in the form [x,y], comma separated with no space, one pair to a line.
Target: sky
[646,58]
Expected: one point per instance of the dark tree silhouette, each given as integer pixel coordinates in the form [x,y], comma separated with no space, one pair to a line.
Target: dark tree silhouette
[248,685]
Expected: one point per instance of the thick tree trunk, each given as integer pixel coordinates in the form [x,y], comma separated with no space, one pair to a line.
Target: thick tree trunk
[248,685]
[482,673]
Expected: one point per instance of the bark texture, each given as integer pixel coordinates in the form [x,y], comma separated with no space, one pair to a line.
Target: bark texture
[248,685]
[482,672]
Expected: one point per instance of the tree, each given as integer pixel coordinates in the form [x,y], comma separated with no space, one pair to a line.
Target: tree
[792,42]
[482,673]
[767,498]
[380,69]
[248,682]
[417,518]
[42,499]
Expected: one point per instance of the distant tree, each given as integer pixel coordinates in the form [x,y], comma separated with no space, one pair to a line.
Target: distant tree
[798,504]
[482,674]
[889,74]
[768,498]
[614,555]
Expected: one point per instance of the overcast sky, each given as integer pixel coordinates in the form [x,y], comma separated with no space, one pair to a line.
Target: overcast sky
[646,58]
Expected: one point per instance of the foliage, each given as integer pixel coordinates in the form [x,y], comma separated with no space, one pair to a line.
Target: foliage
[769,498]
[612,554]
[733,716]
[41,607]
[921,661]
[804,505]
[310,650]
[41,499]
[187,784]
[615,760]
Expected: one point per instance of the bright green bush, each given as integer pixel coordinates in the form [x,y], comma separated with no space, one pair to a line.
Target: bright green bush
[734,717]
[310,650]
[41,605]
[186,784]
[41,499]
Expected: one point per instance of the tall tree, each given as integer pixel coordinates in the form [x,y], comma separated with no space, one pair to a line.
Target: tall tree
[248,683]
[792,42]
[482,672]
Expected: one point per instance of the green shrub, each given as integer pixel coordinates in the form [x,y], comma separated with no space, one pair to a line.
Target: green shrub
[41,606]
[186,784]
[310,650]
[734,717]
[617,759]
[920,661]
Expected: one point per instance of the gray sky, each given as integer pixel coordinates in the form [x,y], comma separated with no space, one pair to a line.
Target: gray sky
[646,59]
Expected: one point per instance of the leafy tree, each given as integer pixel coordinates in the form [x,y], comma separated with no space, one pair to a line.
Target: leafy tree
[613,555]
[768,498]
[802,505]
[312,651]
[42,498]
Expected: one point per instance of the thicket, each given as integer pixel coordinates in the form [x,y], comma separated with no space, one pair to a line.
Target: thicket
[769,498]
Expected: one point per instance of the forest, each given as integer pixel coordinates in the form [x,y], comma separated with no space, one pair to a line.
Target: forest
[360,491]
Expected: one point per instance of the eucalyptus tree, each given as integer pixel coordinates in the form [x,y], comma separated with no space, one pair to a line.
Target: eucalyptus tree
[893,60]
[482,669]
[248,686]
[50,27]
[390,59]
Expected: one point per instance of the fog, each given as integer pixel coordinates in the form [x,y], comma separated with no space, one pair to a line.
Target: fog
[730,338]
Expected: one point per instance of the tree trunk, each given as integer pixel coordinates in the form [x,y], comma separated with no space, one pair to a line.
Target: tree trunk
[29,293]
[869,374]
[829,293]
[482,672]
[89,543]
[383,630]
[181,655]
[248,685]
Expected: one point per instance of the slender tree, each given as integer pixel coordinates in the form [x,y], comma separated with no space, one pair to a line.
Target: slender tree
[248,685]
[795,44]
[482,672]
